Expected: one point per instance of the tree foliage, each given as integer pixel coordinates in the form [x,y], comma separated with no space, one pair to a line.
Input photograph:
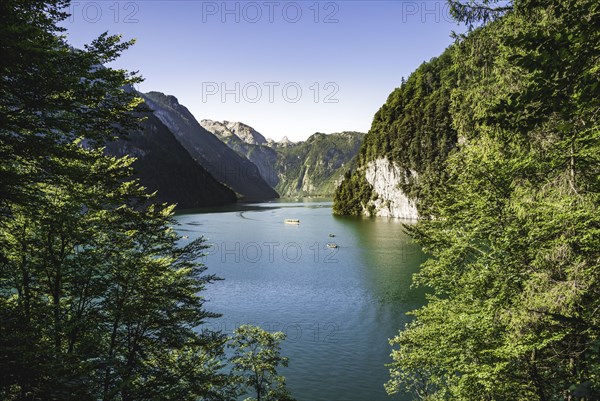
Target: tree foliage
[52,94]
[413,129]
[98,300]
[256,357]
[515,236]
[353,195]
[478,12]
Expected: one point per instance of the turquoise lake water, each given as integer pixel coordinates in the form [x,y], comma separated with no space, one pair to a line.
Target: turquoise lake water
[338,306]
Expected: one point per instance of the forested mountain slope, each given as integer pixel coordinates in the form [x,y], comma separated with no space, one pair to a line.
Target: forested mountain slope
[509,206]
[316,166]
[306,168]
[402,157]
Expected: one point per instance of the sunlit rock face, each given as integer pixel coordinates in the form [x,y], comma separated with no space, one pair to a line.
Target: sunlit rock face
[385,177]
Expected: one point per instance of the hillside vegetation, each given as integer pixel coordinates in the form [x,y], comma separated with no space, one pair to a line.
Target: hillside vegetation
[314,167]
[503,134]
[414,130]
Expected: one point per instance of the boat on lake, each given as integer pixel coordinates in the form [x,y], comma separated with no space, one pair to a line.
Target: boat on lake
[332,245]
[291,221]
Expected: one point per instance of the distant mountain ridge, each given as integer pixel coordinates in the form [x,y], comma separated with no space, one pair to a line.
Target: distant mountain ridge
[316,166]
[209,163]
[223,163]
[306,168]
[244,132]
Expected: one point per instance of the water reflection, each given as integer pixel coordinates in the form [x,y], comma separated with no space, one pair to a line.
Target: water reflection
[337,306]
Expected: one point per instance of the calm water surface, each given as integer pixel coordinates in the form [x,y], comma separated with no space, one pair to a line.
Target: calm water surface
[338,307]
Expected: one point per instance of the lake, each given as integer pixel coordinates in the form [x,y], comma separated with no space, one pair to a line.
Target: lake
[338,306]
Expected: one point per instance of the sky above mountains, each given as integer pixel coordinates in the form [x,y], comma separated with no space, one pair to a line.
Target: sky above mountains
[287,68]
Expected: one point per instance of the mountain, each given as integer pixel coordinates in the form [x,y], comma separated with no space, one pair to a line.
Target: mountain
[307,168]
[242,131]
[283,143]
[248,143]
[163,165]
[316,166]
[222,162]
[402,157]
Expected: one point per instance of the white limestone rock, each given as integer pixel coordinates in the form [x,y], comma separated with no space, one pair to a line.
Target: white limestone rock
[385,178]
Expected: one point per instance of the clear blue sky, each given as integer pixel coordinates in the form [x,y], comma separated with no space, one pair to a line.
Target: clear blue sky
[283,67]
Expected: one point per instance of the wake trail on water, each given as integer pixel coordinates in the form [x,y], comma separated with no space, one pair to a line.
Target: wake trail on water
[241,214]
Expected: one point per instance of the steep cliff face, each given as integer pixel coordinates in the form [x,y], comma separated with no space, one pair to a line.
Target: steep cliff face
[164,166]
[402,157]
[223,163]
[386,178]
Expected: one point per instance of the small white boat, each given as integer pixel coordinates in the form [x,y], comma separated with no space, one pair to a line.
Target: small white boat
[291,221]
[331,245]
[332,235]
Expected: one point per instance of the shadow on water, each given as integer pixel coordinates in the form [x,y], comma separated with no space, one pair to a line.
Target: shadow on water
[311,203]
[389,256]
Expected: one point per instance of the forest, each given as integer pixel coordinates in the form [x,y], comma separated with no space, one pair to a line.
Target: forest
[98,299]
[500,143]
[499,140]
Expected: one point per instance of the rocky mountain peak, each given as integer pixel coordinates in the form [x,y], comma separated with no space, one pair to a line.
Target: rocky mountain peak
[216,127]
[228,128]
[285,142]
[246,133]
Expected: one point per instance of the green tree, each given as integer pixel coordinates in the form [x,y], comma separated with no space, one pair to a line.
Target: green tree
[515,240]
[51,94]
[414,130]
[478,12]
[98,301]
[255,359]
